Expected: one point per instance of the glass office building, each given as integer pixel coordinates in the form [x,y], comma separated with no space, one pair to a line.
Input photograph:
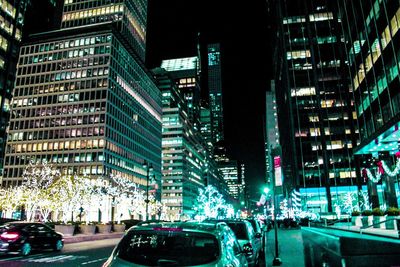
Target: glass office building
[84,100]
[184,151]
[317,113]
[373,49]
[185,73]
[11,22]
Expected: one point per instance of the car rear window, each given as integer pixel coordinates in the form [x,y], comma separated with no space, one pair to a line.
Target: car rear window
[239,229]
[172,248]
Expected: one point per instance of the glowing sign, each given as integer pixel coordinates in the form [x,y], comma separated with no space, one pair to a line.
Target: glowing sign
[278,171]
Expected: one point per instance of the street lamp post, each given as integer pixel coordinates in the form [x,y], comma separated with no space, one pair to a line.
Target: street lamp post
[148,168]
[276,261]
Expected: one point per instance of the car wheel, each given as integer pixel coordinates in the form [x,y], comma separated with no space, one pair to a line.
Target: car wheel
[26,249]
[59,245]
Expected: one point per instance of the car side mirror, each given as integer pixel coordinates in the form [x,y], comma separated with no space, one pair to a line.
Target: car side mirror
[258,235]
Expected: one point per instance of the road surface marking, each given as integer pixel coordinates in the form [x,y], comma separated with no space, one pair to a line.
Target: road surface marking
[22,257]
[88,262]
[57,258]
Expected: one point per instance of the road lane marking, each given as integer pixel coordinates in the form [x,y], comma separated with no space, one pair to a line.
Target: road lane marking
[23,257]
[57,258]
[93,261]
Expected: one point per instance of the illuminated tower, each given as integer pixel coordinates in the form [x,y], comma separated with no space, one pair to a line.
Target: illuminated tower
[84,100]
[215,91]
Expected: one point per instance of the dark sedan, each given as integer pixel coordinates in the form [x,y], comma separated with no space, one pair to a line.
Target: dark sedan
[23,237]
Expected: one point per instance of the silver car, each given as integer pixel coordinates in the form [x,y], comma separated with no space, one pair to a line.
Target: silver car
[249,240]
[178,244]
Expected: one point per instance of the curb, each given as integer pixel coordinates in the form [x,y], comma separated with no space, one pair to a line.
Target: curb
[83,238]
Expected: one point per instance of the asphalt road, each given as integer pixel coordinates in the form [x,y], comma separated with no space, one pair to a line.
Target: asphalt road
[88,254]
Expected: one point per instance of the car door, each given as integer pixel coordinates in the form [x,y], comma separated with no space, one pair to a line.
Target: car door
[235,254]
[32,233]
[46,235]
[239,254]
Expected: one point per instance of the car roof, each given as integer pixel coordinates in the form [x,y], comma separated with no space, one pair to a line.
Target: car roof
[202,227]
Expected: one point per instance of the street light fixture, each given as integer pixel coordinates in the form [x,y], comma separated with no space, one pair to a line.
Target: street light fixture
[148,168]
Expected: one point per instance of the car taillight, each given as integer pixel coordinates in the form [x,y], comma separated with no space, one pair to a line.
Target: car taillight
[10,236]
[248,248]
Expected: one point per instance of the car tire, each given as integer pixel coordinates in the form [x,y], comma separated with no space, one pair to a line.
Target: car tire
[26,249]
[58,246]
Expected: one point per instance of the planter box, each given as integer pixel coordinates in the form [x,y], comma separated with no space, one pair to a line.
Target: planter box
[119,227]
[366,221]
[104,228]
[378,219]
[66,230]
[88,229]
[391,224]
[356,221]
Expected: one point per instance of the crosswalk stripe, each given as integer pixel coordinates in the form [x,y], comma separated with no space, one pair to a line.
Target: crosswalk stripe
[50,259]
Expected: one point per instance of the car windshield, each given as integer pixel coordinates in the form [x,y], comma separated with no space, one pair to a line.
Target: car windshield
[239,229]
[172,248]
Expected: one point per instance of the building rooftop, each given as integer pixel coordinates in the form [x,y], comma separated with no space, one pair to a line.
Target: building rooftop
[178,64]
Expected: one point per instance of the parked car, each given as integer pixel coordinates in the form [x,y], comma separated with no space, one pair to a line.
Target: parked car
[259,232]
[249,240]
[178,244]
[23,237]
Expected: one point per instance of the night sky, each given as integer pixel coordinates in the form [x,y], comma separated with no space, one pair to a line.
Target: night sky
[242,30]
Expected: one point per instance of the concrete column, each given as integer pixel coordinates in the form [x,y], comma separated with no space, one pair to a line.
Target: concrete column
[389,191]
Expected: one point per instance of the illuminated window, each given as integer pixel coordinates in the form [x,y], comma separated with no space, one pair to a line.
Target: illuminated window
[298,54]
[304,91]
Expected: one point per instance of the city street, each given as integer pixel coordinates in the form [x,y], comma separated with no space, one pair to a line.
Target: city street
[90,254]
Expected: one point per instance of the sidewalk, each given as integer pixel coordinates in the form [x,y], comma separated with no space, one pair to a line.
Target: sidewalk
[81,238]
[290,244]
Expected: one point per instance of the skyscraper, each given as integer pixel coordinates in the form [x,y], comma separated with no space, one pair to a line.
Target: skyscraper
[184,151]
[84,100]
[315,108]
[215,91]
[185,72]
[11,22]
[271,130]
[206,127]
[372,47]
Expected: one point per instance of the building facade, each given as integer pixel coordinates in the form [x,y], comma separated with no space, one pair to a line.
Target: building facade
[271,131]
[185,73]
[372,47]
[84,100]
[183,151]
[229,169]
[215,91]
[12,15]
[317,111]
[206,127]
